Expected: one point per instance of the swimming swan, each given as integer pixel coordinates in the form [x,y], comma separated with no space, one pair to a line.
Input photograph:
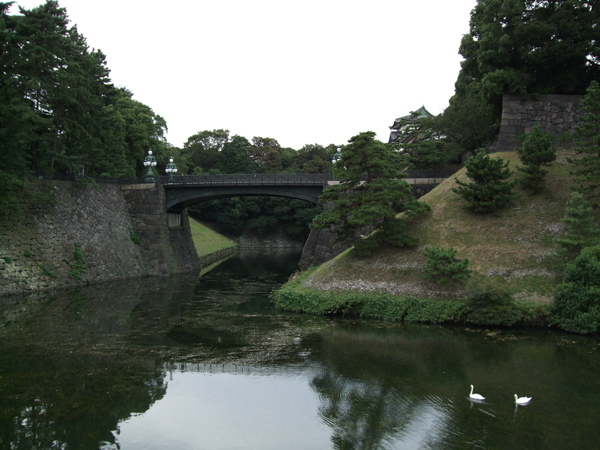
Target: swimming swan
[475,396]
[522,400]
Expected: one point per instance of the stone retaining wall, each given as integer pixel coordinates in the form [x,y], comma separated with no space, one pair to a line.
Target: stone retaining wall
[89,237]
[556,114]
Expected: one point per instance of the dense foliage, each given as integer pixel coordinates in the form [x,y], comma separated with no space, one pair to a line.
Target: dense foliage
[59,111]
[423,147]
[577,300]
[369,196]
[520,47]
[488,190]
[258,216]
[538,150]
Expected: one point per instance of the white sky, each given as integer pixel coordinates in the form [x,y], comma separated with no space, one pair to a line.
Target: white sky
[302,72]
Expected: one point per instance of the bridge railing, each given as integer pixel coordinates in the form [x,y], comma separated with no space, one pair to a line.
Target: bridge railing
[246,179]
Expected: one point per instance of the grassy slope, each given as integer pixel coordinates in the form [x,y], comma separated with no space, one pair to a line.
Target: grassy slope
[206,240]
[512,249]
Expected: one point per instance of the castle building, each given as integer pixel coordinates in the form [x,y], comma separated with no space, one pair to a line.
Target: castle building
[404,128]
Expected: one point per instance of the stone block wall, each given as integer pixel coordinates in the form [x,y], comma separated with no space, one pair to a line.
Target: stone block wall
[556,114]
[89,237]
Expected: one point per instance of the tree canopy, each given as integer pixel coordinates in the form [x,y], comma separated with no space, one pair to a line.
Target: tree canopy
[520,47]
[61,111]
[370,194]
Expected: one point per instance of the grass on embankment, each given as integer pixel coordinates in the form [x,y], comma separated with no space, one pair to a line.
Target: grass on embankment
[207,241]
[512,254]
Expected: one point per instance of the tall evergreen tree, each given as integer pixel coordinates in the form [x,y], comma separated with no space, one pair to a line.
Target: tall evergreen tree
[587,146]
[370,195]
[59,109]
[580,227]
[576,305]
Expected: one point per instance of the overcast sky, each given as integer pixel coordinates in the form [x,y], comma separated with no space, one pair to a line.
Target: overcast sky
[302,72]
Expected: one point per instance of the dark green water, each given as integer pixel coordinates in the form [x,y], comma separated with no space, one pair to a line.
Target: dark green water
[187,363]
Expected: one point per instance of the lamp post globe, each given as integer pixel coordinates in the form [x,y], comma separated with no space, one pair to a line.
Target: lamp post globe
[171,168]
[150,162]
[337,155]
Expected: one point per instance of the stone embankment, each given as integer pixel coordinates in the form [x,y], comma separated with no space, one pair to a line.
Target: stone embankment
[92,234]
[555,114]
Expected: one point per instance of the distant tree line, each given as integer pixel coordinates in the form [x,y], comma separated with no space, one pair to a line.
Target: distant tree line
[214,152]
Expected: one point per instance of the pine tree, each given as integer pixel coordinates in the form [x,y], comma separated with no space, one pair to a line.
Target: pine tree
[488,190]
[370,194]
[538,150]
[580,228]
[576,305]
[587,145]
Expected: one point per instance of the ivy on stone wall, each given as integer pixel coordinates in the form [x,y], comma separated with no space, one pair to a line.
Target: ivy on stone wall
[79,266]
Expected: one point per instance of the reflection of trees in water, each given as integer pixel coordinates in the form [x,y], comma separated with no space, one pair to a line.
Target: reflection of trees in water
[373,388]
[56,403]
[82,363]
[369,415]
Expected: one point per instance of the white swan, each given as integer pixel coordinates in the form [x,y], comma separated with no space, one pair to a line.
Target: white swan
[475,396]
[522,400]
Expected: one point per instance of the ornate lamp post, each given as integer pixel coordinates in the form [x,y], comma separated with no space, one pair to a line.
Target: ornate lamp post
[150,162]
[337,155]
[171,168]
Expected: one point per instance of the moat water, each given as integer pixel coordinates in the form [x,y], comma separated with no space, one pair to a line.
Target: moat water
[207,363]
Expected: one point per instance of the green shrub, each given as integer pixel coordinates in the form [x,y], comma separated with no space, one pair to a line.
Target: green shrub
[49,273]
[576,305]
[387,308]
[435,311]
[444,267]
[489,189]
[79,266]
[135,238]
[492,307]
[538,150]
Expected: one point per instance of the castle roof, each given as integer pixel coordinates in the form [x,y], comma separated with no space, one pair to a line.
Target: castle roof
[420,113]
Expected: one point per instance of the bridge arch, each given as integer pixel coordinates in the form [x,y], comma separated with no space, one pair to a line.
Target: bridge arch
[184,191]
